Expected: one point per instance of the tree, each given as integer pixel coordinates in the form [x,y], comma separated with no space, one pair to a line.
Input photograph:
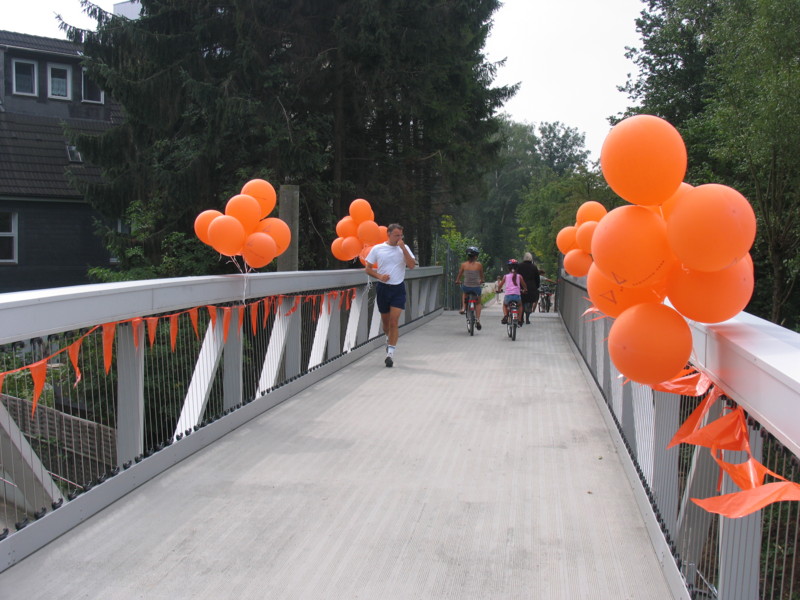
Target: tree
[755,111]
[392,102]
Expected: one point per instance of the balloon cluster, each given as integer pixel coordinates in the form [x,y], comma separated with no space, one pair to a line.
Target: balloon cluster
[245,228]
[687,244]
[357,232]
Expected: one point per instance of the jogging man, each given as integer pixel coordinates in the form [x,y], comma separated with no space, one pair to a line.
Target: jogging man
[387,262]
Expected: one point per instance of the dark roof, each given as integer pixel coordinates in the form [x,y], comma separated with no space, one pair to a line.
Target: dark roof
[40,44]
[34,158]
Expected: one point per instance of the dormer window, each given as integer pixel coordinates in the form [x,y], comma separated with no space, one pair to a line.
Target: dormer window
[24,77]
[74,154]
[91,91]
[59,82]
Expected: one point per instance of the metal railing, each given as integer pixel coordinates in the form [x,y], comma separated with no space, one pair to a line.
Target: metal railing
[105,386]
[757,365]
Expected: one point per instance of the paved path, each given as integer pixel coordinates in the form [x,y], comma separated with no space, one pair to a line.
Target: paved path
[476,468]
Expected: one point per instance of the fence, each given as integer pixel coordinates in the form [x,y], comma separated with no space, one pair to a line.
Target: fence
[105,386]
[703,554]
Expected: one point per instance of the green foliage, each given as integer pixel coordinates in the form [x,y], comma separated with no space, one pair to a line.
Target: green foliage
[391,102]
[459,243]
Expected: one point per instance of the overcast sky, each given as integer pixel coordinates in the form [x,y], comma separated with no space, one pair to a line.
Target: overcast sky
[569,55]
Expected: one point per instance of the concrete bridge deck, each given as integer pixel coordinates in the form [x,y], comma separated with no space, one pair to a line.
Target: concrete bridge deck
[477,467]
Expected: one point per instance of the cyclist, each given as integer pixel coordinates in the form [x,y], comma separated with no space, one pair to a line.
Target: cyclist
[514,286]
[530,273]
[472,272]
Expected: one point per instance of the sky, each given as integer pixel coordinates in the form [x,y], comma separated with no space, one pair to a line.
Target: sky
[568,55]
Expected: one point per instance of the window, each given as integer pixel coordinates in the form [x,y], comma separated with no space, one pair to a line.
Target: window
[91,91]
[59,82]
[24,77]
[8,237]
[74,154]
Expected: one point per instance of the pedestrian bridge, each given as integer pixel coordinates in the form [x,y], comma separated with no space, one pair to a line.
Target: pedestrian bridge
[240,437]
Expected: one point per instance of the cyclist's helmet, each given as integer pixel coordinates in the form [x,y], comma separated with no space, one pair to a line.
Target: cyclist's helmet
[512,262]
[472,251]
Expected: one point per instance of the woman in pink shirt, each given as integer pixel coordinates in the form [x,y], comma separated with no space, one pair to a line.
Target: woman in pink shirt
[514,285]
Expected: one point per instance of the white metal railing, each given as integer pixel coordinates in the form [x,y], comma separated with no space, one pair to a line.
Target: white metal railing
[757,366]
[105,386]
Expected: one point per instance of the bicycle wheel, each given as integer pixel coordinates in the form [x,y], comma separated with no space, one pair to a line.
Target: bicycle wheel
[471,321]
[514,320]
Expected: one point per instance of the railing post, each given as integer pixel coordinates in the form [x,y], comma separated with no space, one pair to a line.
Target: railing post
[665,467]
[130,391]
[232,364]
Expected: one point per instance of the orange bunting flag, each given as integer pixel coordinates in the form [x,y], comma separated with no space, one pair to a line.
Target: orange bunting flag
[39,374]
[74,351]
[2,377]
[254,316]
[193,318]
[295,306]
[226,322]
[152,327]
[692,422]
[109,329]
[212,313]
[241,318]
[741,504]
[136,324]
[687,383]
[267,308]
[747,475]
[173,331]
[726,433]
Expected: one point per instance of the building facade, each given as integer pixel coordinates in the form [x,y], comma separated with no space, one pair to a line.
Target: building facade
[47,234]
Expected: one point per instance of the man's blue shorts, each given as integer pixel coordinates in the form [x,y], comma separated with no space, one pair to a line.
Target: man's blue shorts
[390,295]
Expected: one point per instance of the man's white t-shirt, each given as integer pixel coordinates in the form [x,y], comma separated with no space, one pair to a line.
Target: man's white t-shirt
[390,260]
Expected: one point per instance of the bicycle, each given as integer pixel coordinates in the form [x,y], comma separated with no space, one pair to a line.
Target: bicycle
[545,298]
[513,319]
[470,313]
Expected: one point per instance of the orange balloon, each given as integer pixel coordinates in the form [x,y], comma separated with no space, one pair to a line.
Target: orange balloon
[259,249]
[611,299]
[263,192]
[711,297]
[650,343]
[643,159]
[669,203]
[346,227]
[630,246]
[384,234]
[278,230]
[584,234]
[590,211]
[577,262]
[361,211]
[362,256]
[246,209]
[369,232]
[202,222]
[336,249]
[565,239]
[226,235]
[351,246]
[711,227]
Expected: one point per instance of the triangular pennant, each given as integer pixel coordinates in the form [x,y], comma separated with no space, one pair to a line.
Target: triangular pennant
[74,352]
[226,322]
[692,422]
[267,308]
[152,328]
[254,316]
[2,377]
[193,319]
[39,374]
[137,325]
[687,383]
[109,329]
[212,312]
[173,331]
[741,504]
[726,433]
[295,306]
[747,475]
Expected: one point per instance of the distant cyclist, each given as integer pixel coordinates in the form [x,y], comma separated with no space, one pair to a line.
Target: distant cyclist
[514,286]
[530,273]
[472,272]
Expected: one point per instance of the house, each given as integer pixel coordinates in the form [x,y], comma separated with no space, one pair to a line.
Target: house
[47,234]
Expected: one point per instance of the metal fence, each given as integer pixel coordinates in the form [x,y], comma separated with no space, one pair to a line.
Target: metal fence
[703,554]
[103,387]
